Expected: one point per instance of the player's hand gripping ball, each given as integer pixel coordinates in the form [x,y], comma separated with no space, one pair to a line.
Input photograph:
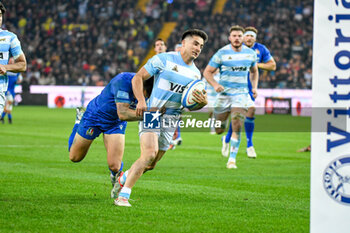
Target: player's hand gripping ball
[187,99]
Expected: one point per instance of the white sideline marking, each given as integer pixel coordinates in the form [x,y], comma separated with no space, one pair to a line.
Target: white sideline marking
[31,146]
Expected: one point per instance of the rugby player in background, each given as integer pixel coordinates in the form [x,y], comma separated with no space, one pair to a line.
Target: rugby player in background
[265,62]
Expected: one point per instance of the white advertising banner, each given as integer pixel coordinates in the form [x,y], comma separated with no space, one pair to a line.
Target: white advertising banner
[330,141]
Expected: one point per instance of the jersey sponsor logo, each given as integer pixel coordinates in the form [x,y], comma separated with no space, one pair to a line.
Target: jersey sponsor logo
[239,68]
[230,58]
[2,39]
[175,68]
[90,131]
[178,88]
[336,179]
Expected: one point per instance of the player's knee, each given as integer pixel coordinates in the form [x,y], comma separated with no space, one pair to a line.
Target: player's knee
[114,167]
[149,168]
[238,116]
[150,154]
[75,158]
[219,130]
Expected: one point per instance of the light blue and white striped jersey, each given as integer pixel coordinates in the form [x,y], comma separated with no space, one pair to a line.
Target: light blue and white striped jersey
[210,89]
[234,68]
[9,47]
[171,75]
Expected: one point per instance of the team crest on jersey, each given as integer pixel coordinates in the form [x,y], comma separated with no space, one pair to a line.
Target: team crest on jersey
[175,68]
[336,180]
[2,39]
[230,58]
[90,131]
[257,51]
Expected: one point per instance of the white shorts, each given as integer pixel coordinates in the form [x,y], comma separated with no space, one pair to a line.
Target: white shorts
[224,103]
[2,101]
[211,101]
[165,133]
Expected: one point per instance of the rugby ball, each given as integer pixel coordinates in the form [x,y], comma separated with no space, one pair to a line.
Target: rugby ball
[187,95]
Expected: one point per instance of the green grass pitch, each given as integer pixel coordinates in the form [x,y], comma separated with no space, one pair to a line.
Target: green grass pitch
[190,190]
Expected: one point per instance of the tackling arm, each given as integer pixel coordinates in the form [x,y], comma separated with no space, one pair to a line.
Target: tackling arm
[125,113]
[137,88]
[269,66]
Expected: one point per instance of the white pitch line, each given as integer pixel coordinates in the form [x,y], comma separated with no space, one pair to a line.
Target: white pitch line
[31,146]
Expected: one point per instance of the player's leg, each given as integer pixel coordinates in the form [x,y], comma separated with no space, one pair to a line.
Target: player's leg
[8,109]
[221,117]
[3,116]
[114,144]
[237,119]
[79,115]
[81,137]
[79,148]
[149,151]
[249,126]
[2,104]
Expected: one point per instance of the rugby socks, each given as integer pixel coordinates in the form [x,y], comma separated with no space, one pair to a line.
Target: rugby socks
[178,132]
[122,179]
[9,116]
[229,134]
[120,169]
[71,137]
[249,129]
[125,192]
[234,148]
[3,115]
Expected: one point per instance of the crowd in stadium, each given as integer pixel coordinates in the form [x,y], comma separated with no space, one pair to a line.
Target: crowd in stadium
[87,42]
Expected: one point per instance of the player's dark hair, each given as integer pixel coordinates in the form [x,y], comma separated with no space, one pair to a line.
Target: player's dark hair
[195,32]
[237,28]
[252,29]
[2,8]
[159,39]
[148,86]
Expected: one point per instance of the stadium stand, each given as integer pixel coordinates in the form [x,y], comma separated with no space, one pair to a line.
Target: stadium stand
[87,42]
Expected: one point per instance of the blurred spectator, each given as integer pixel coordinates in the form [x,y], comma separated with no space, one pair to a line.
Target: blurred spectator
[87,42]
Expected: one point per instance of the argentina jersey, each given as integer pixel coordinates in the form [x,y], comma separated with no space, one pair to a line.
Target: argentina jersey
[9,47]
[171,75]
[234,68]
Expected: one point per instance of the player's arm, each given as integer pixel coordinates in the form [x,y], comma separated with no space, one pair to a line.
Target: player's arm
[125,113]
[269,65]
[137,87]
[208,74]
[254,79]
[20,65]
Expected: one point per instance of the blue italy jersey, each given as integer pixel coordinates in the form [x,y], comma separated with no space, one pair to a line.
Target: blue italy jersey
[12,82]
[103,107]
[263,56]
[234,68]
[171,75]
[9,47]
